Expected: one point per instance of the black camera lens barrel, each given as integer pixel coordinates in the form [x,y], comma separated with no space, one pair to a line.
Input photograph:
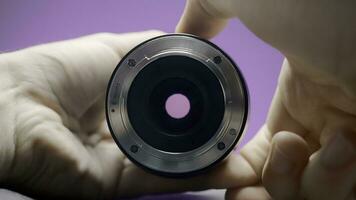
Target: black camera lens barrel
[176,64]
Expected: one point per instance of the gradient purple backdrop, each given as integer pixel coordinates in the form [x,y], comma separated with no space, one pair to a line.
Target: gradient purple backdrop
[27,23]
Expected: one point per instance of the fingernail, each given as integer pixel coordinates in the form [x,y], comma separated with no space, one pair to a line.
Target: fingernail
[280,163]
[339,152]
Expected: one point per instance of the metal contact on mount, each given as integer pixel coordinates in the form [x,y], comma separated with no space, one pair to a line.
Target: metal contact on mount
[176,64]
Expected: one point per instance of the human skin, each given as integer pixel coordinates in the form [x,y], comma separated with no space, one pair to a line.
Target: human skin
[54,139]
[307,147]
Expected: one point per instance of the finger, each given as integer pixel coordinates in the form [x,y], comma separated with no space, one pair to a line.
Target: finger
[77,71]
[236,171]
[248,193]
[205,18]
[232,172]
[282,173]
[331,173]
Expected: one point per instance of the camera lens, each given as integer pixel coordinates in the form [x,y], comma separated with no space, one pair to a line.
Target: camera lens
[176,105]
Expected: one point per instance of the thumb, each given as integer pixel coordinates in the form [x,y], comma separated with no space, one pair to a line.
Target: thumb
[282,173]
[332,168]
[205,18]
[255,154]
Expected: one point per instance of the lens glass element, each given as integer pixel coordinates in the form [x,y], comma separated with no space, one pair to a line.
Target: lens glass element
[177,106]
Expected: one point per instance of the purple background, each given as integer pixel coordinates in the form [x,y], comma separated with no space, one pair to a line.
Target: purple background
[26,23]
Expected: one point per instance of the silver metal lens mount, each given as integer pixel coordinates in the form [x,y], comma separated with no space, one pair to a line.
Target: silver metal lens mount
[158,68]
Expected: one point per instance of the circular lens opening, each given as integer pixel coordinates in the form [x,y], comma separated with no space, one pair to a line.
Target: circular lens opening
[170,107]
[177,106]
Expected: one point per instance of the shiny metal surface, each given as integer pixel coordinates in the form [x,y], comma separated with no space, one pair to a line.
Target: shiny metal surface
[229,132]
